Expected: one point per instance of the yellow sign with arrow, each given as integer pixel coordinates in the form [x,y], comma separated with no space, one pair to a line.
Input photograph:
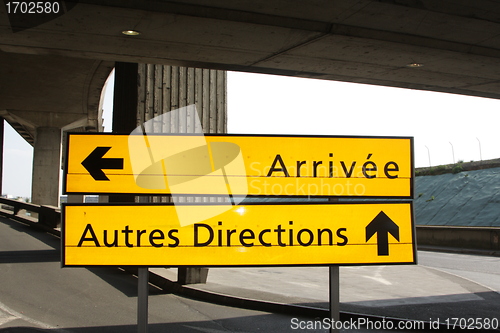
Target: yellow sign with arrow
[243,235]
[239,165]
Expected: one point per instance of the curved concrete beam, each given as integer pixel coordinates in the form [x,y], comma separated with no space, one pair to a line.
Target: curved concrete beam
[51,91]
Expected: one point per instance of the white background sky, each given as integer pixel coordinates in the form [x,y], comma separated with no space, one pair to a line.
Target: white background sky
[264,104]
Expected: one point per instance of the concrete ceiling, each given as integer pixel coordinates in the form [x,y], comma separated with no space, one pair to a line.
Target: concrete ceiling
[457,42]
[51,91]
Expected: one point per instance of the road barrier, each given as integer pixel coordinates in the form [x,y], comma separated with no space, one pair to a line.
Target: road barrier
[44,217]
[476,238]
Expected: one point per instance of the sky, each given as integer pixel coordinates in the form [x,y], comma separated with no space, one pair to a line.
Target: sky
[447,128]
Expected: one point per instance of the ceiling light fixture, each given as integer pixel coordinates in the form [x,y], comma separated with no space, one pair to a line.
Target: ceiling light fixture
[131,32]
[414,65]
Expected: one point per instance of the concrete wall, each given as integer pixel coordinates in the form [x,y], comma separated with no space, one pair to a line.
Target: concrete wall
[459,237]
[468,198]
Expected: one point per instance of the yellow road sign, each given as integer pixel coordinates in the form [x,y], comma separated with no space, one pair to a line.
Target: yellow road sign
[240,165]
[243,235]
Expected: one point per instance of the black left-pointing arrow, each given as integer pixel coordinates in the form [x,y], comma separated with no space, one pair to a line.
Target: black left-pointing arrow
[95,163]
[382,225]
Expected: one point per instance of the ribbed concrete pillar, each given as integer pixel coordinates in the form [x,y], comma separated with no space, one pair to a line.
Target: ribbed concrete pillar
[46,166]
[166,88]
[76,198]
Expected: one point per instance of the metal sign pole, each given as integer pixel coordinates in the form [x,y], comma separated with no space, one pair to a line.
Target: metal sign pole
[142,300]
[334,297]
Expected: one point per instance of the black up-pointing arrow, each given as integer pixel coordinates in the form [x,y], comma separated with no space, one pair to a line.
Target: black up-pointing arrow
[382,225]
[95,163]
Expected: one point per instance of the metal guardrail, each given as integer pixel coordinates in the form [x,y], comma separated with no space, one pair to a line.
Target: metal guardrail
[44,217]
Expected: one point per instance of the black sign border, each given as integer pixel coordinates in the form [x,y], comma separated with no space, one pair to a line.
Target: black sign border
[412,219]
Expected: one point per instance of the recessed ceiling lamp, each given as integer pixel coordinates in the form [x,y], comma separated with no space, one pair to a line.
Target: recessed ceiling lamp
[414,65]
[131,32]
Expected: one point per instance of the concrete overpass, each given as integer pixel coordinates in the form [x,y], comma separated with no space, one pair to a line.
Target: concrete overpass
[53,67]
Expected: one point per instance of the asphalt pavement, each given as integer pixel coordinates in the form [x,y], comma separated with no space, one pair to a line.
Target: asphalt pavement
[415,292]
[37,295]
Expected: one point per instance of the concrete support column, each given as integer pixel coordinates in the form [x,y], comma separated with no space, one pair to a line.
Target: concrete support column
[162,89]
[46,166]
[124,109]
[2,122]
[76,198]
[166,88]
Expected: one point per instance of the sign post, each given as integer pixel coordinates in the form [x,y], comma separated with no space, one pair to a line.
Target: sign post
[142,299]
[334,280]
